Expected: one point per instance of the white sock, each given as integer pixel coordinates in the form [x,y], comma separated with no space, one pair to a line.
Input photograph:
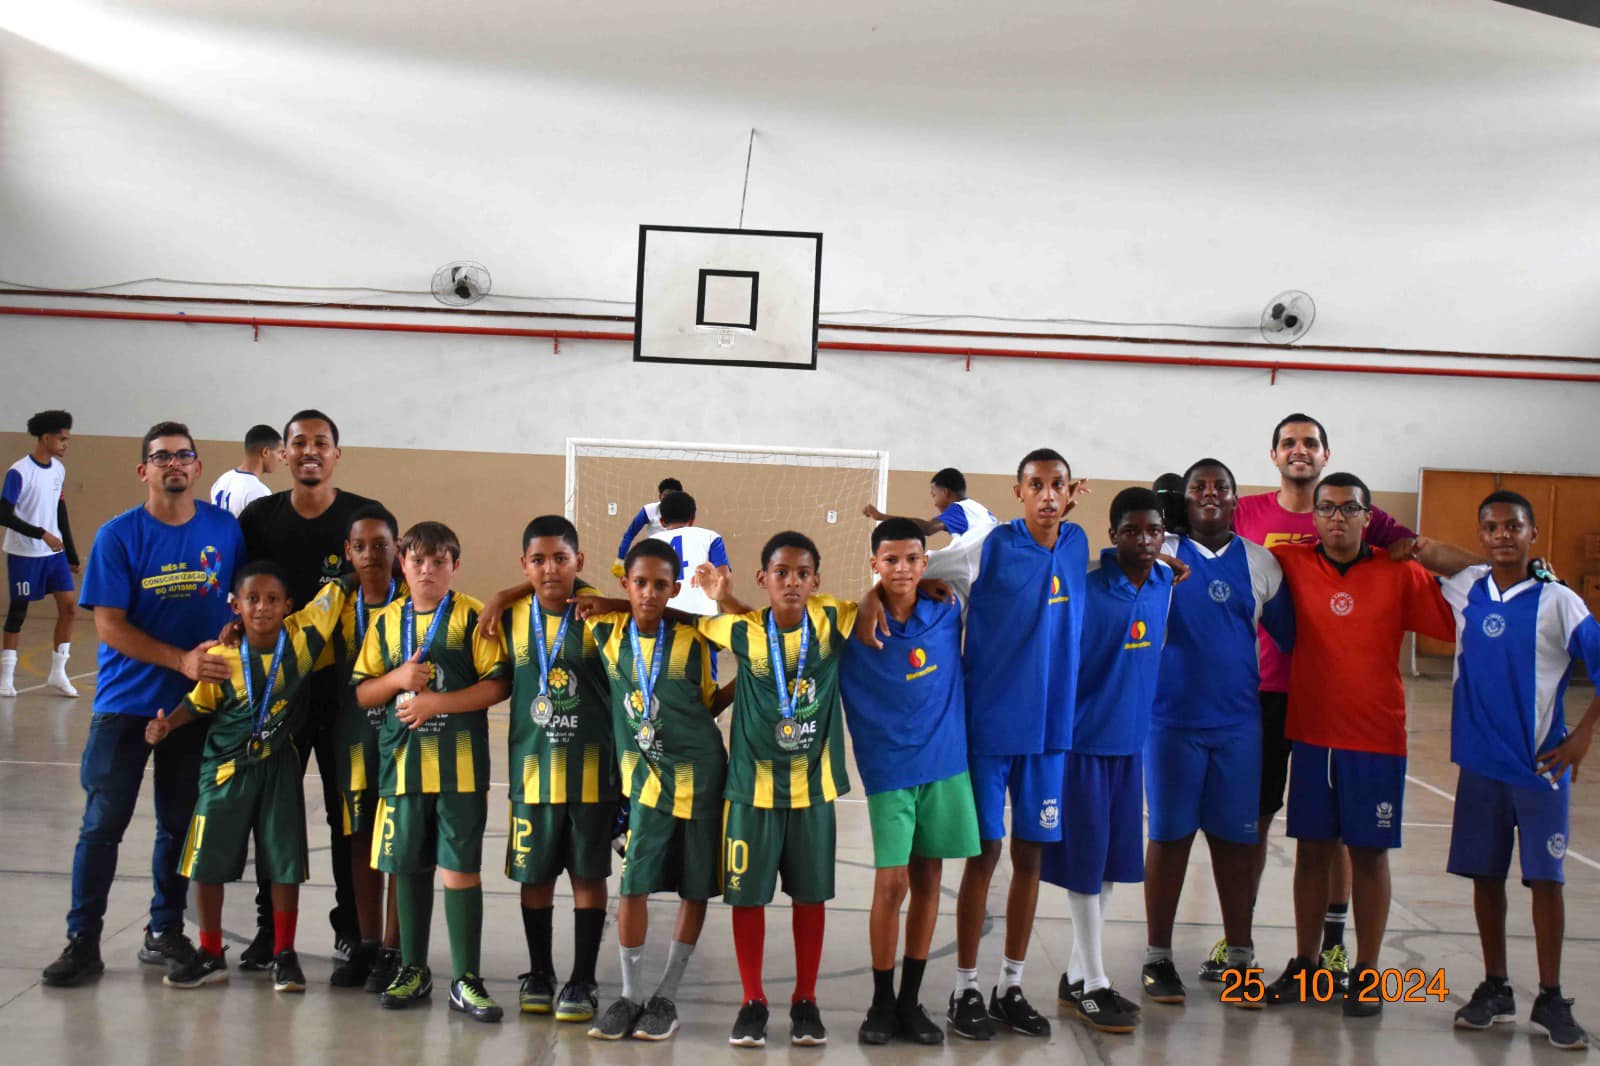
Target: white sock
[966,979]
[58,670]
[1010,974]
[8,669]
[1086,926]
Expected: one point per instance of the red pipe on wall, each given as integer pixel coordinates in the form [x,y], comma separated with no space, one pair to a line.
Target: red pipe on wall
[557,335]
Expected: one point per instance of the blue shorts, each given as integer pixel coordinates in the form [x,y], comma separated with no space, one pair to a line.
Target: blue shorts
[1489,813]
[1352,796]
[1203,779]
[1102,838]
[33,577]
[1034,782]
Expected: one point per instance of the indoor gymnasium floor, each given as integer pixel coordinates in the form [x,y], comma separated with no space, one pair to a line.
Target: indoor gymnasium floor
[130,1017]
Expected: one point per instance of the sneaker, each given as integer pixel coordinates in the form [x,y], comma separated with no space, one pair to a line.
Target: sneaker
[1289,988]
[1099,1011]
[1490,1003]
[1211,969]
[468,996]
[578,1002]
[537,994]
[968,1016]
[1161,982]
[658,1021]
[913,1025]
[78,961]
[384,969]
[168,949]
[344,947]
[258,956]
[202,968]
[750,1027]
[1336,960]
[411,985]
[1246,982]
[1069,992]
[805,1024]
[1356,1007]
[1552,1015]
[880,1024]
[617,1021]
[286,973]
[354,971]
[1014,1010]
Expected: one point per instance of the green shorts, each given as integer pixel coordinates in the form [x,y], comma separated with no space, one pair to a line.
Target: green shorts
[414,833]
[759,843]
[546,839]
[667,854]
[934,821]
[359,809]
[262,800]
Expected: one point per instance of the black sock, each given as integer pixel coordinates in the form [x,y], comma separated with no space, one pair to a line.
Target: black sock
[883,987]
[1333,925]
[1495,980]
[588,923]
[1553,991]
[911,971]
[536,923]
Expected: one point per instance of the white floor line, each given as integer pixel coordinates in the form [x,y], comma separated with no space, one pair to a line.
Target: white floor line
[1441,793]
[46,684]
[30,762]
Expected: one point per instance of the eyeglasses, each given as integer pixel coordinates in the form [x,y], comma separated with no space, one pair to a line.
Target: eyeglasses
[1349,510]
[182,458]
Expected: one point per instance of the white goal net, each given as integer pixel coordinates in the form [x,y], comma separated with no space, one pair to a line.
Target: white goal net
[745,493]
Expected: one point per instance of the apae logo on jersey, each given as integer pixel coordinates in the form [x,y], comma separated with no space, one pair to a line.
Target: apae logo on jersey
[1556,845]
[1220,590]
[1049,815]
[1342,603]
[1494,625]
[1385,815]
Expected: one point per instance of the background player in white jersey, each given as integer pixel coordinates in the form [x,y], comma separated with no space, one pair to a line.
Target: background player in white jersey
[40,557]
[236,488]
[647,521]
[694,545]
[967,521]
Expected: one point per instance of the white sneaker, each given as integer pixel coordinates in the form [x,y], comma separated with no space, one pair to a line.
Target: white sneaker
[7,688]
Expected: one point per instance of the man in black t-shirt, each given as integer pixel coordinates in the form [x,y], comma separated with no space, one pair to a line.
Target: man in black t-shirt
[303,531]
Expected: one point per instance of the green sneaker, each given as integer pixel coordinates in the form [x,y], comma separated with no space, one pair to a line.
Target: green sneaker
[412,984]
[468,996]
[1212,968]
[537,994]
[1336,960]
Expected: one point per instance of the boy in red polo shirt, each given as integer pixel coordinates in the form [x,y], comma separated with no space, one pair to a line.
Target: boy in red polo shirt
[1347,722]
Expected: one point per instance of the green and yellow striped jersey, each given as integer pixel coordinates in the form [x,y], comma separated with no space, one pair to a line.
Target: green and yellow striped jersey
[449,752]
[225,703]
[682,770]
[354,737]
[572,758]
[761,773]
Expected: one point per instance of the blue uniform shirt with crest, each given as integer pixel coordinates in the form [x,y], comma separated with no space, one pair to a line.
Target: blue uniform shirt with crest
[1124,629]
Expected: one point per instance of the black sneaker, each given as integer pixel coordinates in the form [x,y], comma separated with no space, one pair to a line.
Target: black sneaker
[1099,1011]
[913,1025]
[168,949]
[78,961]
[203,968]
[1161,982]
[353,972]
[1068,991]
[578,1002]
[805,1024]
[1354,1005]
[411,985]
[344,946]
[750,1027]
[659,1020]
[1289,988]
[968,1016]
[617,1021]
[468,996]
[1490,1003]
[1212,969]
[880,1024]
[286,973]
[258,956]
[537,994]
[1014,1010]
[1552,1015]
[384,969]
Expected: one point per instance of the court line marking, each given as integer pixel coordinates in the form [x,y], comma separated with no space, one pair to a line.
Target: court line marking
[1445,795]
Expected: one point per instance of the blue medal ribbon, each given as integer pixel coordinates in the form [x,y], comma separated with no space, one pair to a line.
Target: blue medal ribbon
[361,612]
[647,686]
[408,627]
[536,638]
[786,699]
[258,715]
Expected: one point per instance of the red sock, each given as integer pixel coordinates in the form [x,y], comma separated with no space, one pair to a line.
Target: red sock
[809,919]
[211,942]
[749,943]
[283,930]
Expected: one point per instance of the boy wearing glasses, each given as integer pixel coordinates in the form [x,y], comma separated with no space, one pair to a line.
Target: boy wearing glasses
[1347,723]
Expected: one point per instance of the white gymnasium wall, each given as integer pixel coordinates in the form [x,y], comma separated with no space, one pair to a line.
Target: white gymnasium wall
[1425,169]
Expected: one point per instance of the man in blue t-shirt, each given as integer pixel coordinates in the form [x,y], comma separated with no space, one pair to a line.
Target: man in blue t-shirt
[157,581]
[1202,764]
[1024,594]
[1517,635]
[1125,605]
[906,711]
